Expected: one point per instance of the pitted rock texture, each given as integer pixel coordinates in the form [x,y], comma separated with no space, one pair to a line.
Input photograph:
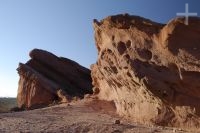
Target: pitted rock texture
[150,70]
[46,78]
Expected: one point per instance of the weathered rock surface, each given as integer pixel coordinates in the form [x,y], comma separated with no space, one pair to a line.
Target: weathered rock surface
[150,70]
[45,78]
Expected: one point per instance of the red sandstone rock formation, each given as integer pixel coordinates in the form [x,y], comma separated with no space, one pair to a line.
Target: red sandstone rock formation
[150,70]
[46,78]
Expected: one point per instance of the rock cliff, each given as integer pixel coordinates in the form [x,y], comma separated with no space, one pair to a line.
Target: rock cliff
[151,71]
[46,78]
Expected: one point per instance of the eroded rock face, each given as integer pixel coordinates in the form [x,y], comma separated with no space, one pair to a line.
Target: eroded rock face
[46,78]
[150,70]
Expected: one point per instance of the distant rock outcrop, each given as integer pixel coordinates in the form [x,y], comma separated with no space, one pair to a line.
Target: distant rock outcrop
[150,70]
[46,78]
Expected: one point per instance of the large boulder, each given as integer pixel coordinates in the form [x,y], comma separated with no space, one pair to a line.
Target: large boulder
[46,78]
[150,70]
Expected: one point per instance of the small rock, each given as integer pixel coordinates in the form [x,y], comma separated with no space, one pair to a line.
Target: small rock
[174,130]
[116,131]
[87,96]
[155,130]
[75,98]
[117,121]
[95,90]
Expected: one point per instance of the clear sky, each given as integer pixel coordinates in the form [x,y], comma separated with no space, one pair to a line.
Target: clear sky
[64,27]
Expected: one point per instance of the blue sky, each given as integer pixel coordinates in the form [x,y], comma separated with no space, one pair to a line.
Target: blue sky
[64,27]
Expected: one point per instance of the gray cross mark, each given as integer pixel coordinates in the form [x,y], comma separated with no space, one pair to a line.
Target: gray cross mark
[187,14]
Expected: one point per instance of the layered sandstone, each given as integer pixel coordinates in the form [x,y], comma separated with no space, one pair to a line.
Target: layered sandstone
[150,70]
[46,78]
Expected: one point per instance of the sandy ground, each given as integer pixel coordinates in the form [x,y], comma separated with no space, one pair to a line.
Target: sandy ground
[77,117]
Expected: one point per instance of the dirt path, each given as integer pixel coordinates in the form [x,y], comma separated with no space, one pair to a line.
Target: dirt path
[73,118]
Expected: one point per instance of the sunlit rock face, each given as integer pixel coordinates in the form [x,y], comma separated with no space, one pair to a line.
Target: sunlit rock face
[46,78]
[150,70]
